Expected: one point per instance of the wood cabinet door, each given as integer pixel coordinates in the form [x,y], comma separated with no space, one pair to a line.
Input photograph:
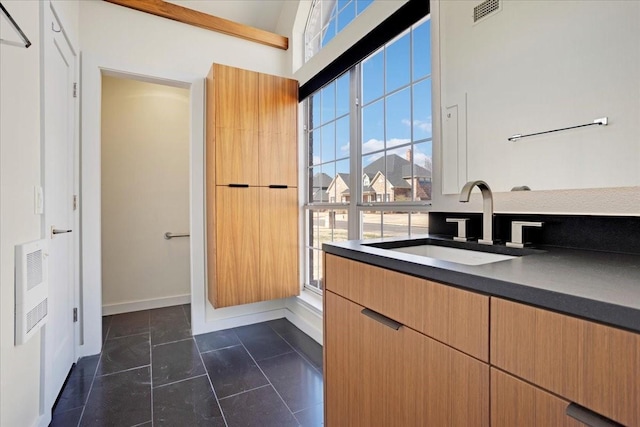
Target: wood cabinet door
[516,403]
[278,243]
[376,375]
[278,115]
[235,126]
[237,247]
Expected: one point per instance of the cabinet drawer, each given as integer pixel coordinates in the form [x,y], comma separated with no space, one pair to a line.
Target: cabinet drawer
[455,317]
[376,375]
[593,365]
[516,403]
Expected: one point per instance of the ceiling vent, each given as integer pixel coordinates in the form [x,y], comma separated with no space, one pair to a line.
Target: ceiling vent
[485,9]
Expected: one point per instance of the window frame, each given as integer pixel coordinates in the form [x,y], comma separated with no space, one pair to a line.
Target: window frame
[357,207]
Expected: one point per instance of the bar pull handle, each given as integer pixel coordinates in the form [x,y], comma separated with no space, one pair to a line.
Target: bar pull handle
[169,235]
[55,231]
[381,319]
[588,417]
[278,186]
[239,185]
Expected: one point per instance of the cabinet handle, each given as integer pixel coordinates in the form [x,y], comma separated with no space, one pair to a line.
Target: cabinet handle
[239,185]
[589,417]
[278,186]
[381,318]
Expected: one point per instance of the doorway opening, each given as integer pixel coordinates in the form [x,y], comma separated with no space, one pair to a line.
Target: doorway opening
[145,172]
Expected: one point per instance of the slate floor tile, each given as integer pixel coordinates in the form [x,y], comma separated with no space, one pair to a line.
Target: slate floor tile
[106,323]
[216,340]
[78,384]
[67,419]
[311,417]
[305,345]
[297,382]
[122,399]
[186,403]
[262,341]
[169,324]
[232,371]
[259,407]
[124,353]
[126,324]
[175,361]
[187,312]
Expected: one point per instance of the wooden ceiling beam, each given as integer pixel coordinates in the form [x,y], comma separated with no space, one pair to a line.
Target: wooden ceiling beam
[206,21]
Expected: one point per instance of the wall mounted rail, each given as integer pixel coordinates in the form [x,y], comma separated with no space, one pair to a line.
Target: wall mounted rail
[169,235]
[603,121]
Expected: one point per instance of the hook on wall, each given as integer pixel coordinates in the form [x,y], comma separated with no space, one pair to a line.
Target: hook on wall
[53,28]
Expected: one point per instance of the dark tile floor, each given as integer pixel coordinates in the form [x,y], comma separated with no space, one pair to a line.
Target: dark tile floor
[152,372]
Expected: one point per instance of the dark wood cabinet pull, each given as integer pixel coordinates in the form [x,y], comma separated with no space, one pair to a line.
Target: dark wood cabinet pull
[588,417]
[381,318]
[278,186]
[239,185]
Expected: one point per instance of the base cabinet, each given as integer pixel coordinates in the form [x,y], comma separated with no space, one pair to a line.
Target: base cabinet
[377,375]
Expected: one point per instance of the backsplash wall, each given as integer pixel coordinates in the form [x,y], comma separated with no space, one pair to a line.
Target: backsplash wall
[591,232]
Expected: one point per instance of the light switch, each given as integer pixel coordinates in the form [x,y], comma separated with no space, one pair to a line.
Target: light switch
[38,200]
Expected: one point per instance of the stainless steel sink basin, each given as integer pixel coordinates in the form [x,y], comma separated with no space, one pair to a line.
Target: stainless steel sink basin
[460,256]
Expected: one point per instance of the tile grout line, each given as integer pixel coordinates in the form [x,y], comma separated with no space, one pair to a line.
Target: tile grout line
[245,391]
[215,395]
[151,369]
[179,381]
[172,342]
[267,378]
[221,348]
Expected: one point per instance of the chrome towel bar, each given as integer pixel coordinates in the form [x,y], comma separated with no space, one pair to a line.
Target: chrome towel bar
[603,121]
[169,235]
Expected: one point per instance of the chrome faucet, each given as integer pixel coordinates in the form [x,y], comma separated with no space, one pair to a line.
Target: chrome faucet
[487,208]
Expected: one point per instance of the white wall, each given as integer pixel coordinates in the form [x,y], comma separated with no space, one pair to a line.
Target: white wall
[608,201]
[145,193]
[20,170]
[19,173]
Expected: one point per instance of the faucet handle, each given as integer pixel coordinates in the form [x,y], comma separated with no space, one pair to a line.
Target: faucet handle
[516,232]
[462,228]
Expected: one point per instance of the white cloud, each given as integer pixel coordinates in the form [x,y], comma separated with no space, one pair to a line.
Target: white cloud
[423,125]
[316,160]
[345,148]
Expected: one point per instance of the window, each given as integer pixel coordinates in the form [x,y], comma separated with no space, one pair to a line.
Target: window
[381,185]
[326,19]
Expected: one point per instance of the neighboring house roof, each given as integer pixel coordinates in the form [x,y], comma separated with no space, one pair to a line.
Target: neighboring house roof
[398,170]
[321,182]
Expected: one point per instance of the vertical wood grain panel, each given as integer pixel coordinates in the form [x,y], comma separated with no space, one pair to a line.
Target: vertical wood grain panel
[236,156]
[237,261]
[278,243]
[278,138]
[236,98]
[593,365]
[516,403]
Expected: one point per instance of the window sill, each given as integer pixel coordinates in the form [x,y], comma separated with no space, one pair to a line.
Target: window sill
[311,299]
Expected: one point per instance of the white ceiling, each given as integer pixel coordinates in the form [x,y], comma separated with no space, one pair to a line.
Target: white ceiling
[263,14]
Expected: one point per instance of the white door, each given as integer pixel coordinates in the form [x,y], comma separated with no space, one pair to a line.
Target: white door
[59,72]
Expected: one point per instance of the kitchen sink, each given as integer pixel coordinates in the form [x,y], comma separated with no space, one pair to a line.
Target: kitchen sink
[460,256]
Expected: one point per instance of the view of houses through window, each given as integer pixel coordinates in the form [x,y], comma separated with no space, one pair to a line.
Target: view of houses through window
[384,103]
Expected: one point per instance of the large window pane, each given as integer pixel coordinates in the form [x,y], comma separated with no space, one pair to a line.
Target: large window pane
[371,224]
[422,171]
[395,224]
[328,142]
[422,50]
[422,118]
[329,169]
[328,94]
[329,32]
[315,140]
[373,77]
[342,189]
[419,223]
[315,107]
[362,5]
[373,127]
[342,137]
[398,118]
[398,63]
[342,96]
[346,15]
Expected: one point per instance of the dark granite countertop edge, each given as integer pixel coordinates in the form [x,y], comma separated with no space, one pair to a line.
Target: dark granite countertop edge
[590,309]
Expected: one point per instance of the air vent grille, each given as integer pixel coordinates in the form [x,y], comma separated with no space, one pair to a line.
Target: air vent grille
[484,9]
[36,315]
[34,269]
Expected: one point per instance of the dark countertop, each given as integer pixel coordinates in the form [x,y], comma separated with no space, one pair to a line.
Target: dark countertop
[599,286]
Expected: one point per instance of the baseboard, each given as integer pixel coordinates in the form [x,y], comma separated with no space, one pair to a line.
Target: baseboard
[241,320]
[43,420]
[126,307]
[306,318]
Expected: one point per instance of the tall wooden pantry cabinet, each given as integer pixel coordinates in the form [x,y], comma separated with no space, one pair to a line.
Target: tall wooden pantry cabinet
[251,182]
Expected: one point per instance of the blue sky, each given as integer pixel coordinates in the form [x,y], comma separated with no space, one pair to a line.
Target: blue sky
[331,138]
